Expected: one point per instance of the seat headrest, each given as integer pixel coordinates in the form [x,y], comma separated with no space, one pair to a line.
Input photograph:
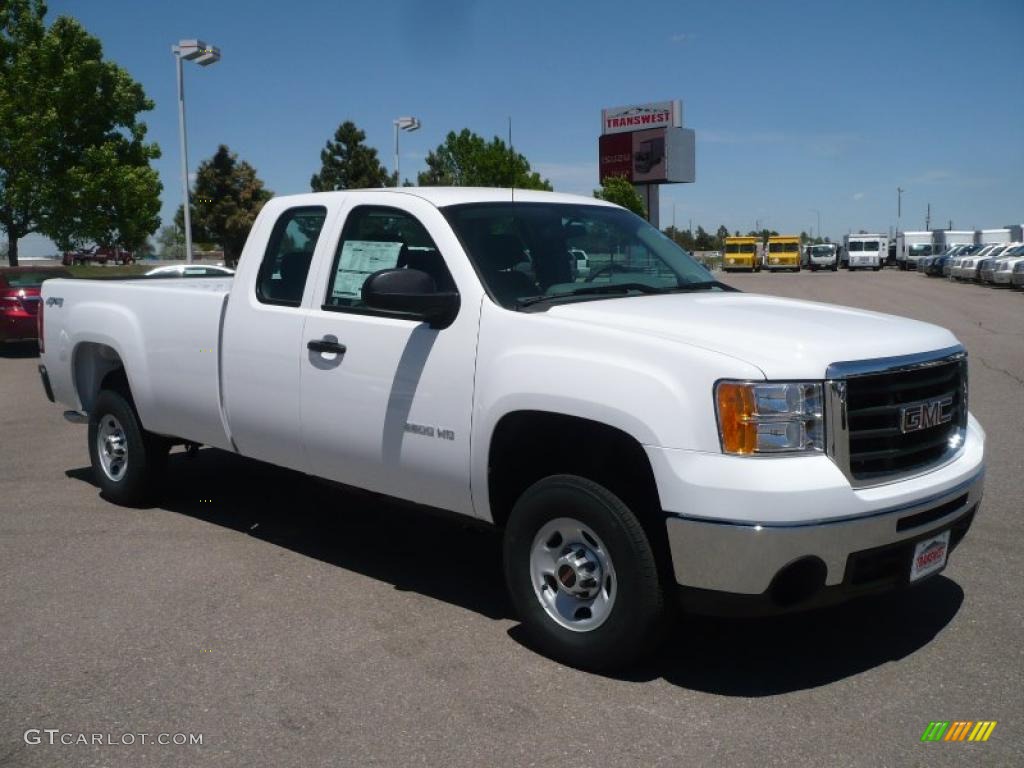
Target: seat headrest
[503,251]
[295,264]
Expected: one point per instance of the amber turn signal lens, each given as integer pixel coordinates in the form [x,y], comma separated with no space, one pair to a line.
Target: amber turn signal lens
[737,425]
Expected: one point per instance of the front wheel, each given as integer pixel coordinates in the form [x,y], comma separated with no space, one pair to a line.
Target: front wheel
[582,574]
[127,461]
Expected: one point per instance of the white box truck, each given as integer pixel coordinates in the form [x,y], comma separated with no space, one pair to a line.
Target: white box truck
[866,251]
[994,236]
[944,239]
[911,246]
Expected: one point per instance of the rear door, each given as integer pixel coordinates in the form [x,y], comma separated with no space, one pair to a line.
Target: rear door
[263,338]
[392,411]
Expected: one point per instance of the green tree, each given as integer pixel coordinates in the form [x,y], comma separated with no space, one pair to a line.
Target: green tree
[347,163]
[74,164]
[171,241]
[703,241]
[227,197]
[619,190]
[681,236]
[720,235]
[466,160]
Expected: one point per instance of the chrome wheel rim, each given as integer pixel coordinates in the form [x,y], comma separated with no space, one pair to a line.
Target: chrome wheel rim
[112,447]
[572,575]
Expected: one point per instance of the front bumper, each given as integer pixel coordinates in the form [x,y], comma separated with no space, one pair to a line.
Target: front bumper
[987,275]
[1002,277]
[781,567]
[735,524]
[1017,279]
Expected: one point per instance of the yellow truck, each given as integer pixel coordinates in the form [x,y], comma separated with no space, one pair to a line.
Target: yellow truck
[741,253]
[783,253]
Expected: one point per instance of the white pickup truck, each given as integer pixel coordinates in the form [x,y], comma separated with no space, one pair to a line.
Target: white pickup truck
[437,345]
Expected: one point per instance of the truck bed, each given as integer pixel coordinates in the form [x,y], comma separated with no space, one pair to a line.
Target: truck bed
[167,331]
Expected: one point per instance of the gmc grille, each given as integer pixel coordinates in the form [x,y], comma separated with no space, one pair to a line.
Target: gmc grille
[876,447]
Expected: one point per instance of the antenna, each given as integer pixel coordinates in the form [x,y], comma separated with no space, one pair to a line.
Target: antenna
[511,161]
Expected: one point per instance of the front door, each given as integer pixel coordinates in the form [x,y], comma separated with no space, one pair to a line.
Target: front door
[387,401]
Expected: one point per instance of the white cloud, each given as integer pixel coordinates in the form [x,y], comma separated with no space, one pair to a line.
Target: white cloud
[858,195]
[682,37]
[945,176]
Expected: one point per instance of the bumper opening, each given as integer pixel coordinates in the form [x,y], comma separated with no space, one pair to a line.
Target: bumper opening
[798,582]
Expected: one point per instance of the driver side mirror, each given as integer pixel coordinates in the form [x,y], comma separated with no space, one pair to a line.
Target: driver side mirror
[411,292]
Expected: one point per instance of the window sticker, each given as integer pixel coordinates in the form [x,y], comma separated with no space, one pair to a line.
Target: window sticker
[360,259]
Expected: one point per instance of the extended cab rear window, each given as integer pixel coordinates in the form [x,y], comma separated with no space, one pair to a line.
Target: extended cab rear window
[285,266]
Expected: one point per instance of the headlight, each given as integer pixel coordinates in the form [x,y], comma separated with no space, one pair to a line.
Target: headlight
[770,417]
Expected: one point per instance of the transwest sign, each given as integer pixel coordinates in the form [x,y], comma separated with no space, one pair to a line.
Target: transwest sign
[637,117]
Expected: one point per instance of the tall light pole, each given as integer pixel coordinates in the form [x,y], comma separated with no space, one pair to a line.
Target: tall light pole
[815,210]
[204,55]
[408,124]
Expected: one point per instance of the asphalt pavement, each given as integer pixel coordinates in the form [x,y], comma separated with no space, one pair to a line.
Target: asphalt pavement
[285,622]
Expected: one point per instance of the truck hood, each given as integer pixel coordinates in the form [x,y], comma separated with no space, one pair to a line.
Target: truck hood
[785,338]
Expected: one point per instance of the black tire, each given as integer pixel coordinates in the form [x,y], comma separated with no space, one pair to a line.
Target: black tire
[875,269]
[637,612]
[146,454]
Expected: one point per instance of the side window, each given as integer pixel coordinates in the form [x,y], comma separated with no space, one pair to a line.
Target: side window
[377,238]
[282,276]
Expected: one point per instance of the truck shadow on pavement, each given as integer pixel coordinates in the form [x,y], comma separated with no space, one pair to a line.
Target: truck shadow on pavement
[459,562]
[19,350]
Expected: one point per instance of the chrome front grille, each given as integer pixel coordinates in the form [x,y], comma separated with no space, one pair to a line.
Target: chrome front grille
[870,436]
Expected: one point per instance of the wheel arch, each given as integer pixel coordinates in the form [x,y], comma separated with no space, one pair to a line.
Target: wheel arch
[528,445]
[97,366]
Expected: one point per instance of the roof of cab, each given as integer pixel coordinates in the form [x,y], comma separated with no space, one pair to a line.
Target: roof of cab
[444,196]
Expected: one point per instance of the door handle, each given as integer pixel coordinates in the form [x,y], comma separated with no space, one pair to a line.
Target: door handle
[325,346]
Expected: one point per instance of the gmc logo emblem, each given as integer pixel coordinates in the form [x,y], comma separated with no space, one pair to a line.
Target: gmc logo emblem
[924,415]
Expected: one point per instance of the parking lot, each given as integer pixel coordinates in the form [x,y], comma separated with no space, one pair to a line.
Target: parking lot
[295,624]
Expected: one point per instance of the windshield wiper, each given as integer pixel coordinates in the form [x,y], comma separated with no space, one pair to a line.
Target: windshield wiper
[593,290]
[703,286]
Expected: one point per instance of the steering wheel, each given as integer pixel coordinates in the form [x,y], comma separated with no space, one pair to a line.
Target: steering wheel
[608,269]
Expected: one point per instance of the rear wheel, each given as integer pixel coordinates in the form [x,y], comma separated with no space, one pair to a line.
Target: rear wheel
[127,461]
[582,574]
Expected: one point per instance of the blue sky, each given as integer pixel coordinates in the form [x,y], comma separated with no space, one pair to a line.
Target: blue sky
[797,106]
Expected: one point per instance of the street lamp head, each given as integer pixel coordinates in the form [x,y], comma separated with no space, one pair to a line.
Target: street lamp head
[196,50]
[408,123]
[210,56]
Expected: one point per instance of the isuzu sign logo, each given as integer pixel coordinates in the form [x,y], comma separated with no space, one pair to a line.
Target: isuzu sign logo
[914,418]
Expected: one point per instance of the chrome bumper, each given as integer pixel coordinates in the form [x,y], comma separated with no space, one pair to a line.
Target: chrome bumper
[742,558]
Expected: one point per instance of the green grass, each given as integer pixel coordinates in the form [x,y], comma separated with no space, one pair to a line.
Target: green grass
[94,270]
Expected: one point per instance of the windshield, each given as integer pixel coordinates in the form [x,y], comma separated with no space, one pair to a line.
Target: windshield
[521,252]
[863,245]
[739,247]
[783,247]
[822,250]
[920,250]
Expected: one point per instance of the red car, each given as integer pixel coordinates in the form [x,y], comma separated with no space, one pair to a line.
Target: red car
[98,255]
[19,300]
